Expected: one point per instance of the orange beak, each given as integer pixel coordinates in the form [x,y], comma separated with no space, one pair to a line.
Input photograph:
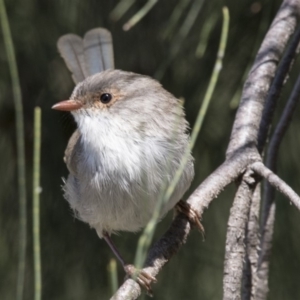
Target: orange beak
[67,105]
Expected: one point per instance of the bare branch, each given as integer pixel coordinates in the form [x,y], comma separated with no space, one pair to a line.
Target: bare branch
[252,244]
[249,114]
[278,183]
[215,183]
[235,239]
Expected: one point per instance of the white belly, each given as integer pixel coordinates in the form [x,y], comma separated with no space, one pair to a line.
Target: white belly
[120,178]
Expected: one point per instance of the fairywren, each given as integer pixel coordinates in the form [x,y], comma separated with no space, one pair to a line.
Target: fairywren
[130,140]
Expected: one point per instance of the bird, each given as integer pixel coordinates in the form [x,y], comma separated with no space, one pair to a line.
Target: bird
[130,139]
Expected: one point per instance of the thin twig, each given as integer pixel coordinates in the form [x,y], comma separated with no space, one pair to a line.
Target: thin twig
[16,88]
[36,190]
[278,183]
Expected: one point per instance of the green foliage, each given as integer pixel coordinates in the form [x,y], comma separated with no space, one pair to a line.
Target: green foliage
[74,260]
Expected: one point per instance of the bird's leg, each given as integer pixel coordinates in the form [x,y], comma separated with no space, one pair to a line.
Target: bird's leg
[113,248]
[143,278]
[193,217]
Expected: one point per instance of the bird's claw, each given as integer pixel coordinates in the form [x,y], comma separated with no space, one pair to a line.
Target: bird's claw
[194,218]
[143,278]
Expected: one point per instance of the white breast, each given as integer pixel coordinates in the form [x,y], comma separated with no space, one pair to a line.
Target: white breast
[121,174]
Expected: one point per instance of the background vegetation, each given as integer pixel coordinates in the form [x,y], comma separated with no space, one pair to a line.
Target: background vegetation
[181,55]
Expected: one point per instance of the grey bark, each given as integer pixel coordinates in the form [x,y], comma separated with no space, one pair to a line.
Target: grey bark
[235,239]
[252,247]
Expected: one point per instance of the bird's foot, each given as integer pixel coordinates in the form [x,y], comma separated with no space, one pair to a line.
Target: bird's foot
[194,218]
[143,279]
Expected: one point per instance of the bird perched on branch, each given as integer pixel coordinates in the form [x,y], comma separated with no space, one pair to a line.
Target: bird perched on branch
[130,141]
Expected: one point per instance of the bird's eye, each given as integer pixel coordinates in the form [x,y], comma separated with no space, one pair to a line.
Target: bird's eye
[105,98]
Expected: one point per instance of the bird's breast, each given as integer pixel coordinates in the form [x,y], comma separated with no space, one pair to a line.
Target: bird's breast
[121,174]
[112,150]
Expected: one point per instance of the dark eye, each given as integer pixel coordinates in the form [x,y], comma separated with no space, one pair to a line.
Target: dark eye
[105,98]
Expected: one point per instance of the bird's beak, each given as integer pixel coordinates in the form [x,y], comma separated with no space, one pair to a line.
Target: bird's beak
[67,105]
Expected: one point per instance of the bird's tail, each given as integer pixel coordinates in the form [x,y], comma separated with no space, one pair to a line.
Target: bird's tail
[87,56]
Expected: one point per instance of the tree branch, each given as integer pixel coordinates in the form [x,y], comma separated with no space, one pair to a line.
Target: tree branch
[278,183]
[252,244]
[235,239]
[215,183]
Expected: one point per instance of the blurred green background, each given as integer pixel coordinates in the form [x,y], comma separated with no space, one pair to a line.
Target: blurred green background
[181,54]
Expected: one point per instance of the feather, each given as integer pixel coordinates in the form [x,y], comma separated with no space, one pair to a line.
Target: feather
[98,51]
[70,47]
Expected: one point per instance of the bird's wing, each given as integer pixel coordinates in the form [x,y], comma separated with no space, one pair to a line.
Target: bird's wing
[98,51]
[73,152]
[70,47]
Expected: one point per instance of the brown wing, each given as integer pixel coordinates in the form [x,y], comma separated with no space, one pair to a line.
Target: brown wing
[72,152]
